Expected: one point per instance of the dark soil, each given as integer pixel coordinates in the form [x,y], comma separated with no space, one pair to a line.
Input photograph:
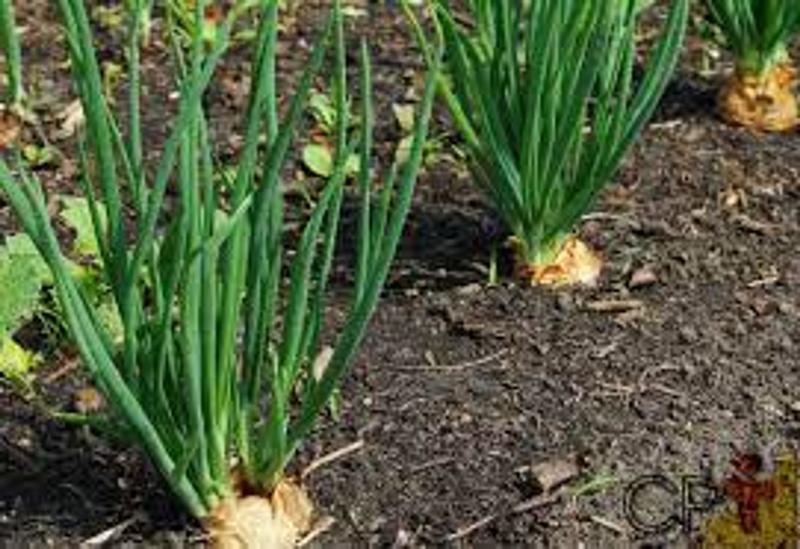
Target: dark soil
[460,386]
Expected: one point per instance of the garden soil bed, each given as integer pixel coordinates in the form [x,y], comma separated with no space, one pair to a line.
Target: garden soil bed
[686,352]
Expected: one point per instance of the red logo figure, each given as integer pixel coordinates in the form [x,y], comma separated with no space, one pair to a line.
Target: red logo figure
[745,488]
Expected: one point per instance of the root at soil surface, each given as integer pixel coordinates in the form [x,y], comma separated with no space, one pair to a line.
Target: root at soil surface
[255,522]
[765,103]
[575,264]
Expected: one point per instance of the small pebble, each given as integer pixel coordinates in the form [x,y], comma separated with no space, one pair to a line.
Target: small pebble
[470,289]
[643,277]
[792,274]
[565,302]
[689,334]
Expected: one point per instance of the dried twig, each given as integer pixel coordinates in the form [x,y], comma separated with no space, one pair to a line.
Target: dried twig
[532,504]
[106,536]
[323,525]
[333,456]
[754,226]
[615,305]
[431,464]
[609,524]
[453,367]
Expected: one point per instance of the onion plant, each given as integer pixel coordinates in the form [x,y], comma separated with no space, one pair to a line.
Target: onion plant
[761,92]
[223,369]
[10,44]
[547,100]
[144,10]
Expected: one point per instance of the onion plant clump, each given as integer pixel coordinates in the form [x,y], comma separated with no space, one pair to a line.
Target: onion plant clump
[223,369]
[546,97]
[761,92]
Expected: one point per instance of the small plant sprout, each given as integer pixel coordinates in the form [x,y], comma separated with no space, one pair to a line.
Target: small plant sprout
[545,98]
[761,92]
[222,369]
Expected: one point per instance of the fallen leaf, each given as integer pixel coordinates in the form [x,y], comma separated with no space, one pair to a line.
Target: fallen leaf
[549,475]
[321,362]
[72,118]
[733,198]
[404,114]
[88,400]
[403,152]
[10,128]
